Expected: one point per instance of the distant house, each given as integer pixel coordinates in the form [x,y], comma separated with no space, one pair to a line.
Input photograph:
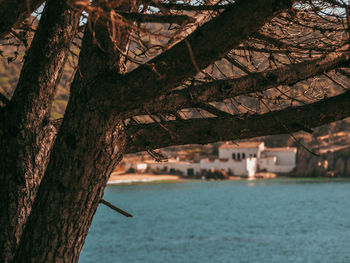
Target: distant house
[278,160]
[241,159]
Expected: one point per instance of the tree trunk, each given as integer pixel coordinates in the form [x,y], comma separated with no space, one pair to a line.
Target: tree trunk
[26,136]
[89,145]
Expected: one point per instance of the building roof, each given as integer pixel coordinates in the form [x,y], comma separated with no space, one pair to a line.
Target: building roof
[241,145]
[281,149]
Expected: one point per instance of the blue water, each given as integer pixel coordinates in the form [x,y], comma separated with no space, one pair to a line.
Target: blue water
[283,220]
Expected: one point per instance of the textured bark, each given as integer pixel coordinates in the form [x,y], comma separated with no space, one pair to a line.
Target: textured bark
[14,12]
[86,150]
[26,137]
[203,131]
[89,144]
[260,81]
[207,44]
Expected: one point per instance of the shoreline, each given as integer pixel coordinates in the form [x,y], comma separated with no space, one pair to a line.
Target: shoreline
[122,178]
[117,178]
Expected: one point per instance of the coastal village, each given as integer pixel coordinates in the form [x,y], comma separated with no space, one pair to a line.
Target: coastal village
[325,153]
[243,159]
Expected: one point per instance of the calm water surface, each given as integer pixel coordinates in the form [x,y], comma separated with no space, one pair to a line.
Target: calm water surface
[230,221]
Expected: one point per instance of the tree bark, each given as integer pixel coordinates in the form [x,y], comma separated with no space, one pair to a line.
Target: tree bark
[89,144]
[14,12]
[86,150]
[26,136]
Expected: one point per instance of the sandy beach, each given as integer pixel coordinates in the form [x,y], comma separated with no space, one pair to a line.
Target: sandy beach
[118,178]
[122,178]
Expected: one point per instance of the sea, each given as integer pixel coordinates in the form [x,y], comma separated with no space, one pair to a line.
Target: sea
[269,220]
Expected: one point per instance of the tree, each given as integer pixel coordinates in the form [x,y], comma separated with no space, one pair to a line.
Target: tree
[279,53]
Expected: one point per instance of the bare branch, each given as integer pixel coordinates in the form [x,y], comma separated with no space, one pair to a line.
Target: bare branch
[146,18]
[117,209]
[208,44]
[14,12]
[213,110]
[203,131]
[259,81]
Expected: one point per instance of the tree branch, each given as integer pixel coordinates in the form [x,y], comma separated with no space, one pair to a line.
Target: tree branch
[209,43]
[213,110]
[260,81]
[146,18]
[203,131]
[14,12]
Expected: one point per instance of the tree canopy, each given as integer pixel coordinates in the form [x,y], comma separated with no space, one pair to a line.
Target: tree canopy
[147,75]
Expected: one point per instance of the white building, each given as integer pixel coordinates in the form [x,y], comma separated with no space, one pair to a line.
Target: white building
[243,167]
[241,159]
[278,160]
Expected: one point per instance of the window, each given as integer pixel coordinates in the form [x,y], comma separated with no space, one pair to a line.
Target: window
[234,156]
[238,156]
[190,171]
[243,155]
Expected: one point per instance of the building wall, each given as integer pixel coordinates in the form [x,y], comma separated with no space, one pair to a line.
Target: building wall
[226,153]
[283,157]
[140,167]
[177,166]
[278,161]
[244,167]
[267,163]
[282,168]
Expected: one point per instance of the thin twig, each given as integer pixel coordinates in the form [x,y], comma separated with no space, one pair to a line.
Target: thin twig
[115,208]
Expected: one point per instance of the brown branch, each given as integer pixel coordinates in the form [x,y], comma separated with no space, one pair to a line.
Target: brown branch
[14,12]
[288,46]
[213,110]
[336,82]
[260,81]
[203,131]
[117,209]
[209,43]
[344,72]
[146,18]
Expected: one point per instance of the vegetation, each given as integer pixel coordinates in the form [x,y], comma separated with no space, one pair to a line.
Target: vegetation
[147,75]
